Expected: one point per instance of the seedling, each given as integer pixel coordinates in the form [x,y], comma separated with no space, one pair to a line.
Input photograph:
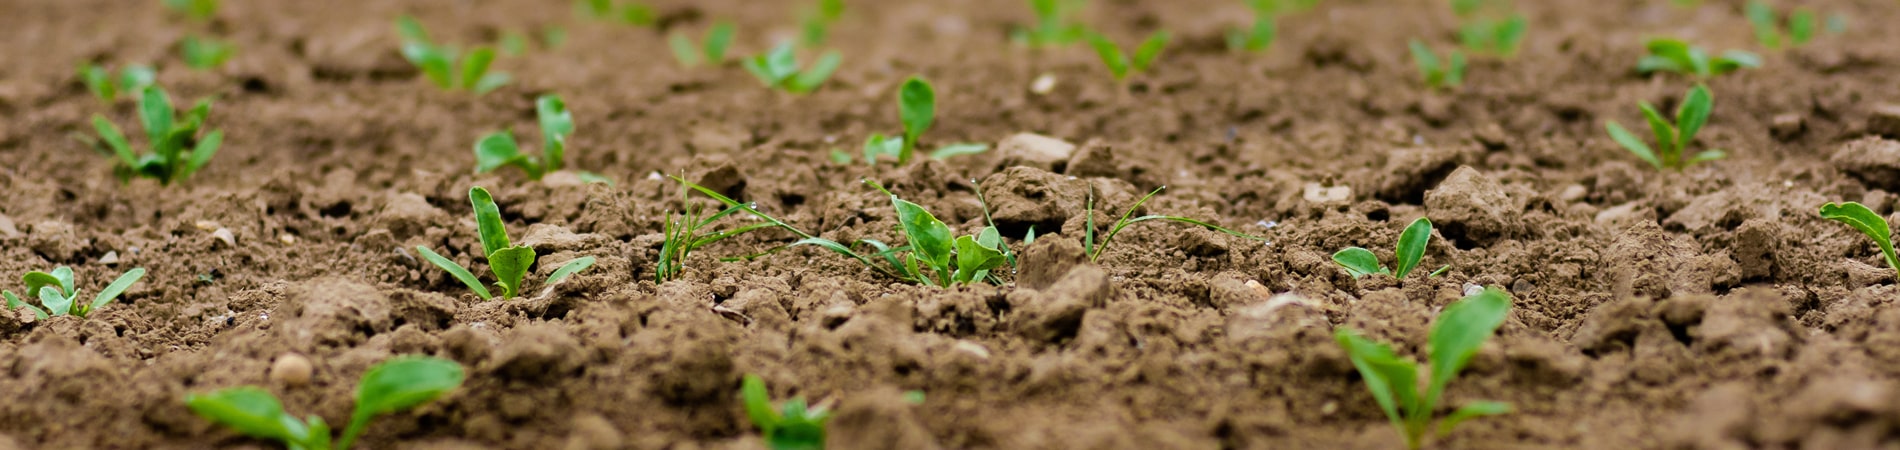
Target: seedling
[199,10]
[393,385]
[512,43]
[1120,64]
[1671,55]
[1858,216]
[630,13]
[1054,26]
[439,62]
[815,22]
[132,79]
[1801,24]
[58,297]
[791,426]
[779,69]
[683,234]
[204,53]
[1095,250]
[498,149]
[1494,37]
[168,138]
[1450,73]
[508,262]
[1672,140]
[1360,262]
[917,109]
[1455,337]
[714,51]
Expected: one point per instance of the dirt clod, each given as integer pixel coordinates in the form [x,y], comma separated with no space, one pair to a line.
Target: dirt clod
[1872,160]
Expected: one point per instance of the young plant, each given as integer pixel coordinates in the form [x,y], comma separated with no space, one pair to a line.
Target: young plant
[1672,139]
[439,62]
[1055,25]
[1801,24]
[815,22]
[1120,64]
[1858,216]
[791,426]
[168,138]
[204,53]
[1095,250]
[131,80]
[1455,337]
[1672,55]
[683,234]
[1266,15]
[1448,74]
[393,385]
[779,69]
[58,297]
[714,51]
[199,10]
[508,262]
[1494,37]
[630,13]
[917,109]
[1360,262]
[498,149]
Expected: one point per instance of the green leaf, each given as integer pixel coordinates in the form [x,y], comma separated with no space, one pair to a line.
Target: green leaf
[490,82]
[1801,25]
[1733,60]
[974,257]
[1459,331]
[1471,411]
[1706,156]
[1358,262]
[928,237]
[155,112]
[410,30]
[959,149]
[497,150]
[1653,63]
[1762,17]
[683,50]
[56,304]
[1455,70]
[758,404]
[136,78]
[1112,56]
[510,265]
[718,38]
[113,290]
[251,411]
[1691,115]
[1258,37]
[774,67]
[494,233]
[1853,214]
[816,75]
[1632,143]
[114,139]
[879,146]
[65,276]
[1412,243]
[557,123]
[398,384]
[204,53]
[1427,62]
[570,268]
[435,63]
[456,271]
[1665,135]
[839,157]
[475,67]
[1392,380]
[1149,50]
[99,81]
[202,154]
[1510,35]
[1677,52]
[917,107]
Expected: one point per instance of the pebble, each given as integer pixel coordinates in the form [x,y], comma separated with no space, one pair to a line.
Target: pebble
[1043,84]
[224,235]
[291,369]
[111,257]
[1786,127]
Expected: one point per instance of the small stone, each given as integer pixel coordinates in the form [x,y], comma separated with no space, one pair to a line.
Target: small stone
[111,257]
[287,239]
[1259,289]
[1317,193]
[1035,150]
[291,370]
[206,225]
[1786,127]
[1573,193]
[224,235]
[1885,120]
[972,348]
[1043,84]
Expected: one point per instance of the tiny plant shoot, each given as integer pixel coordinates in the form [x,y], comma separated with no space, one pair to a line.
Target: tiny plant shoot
[1054,26]
[1494,37]
[58,297]
[1768,28]
[508,262]
[439,62]
[1121,64]
[630,13]
[1672,55]
[199,10]
[711,51]
[779,69]
[1261,34]
[1858,216]
[815,21]
[393,385]
[917,109]
[1095,250]
[1438,74]
[682,233]
[131,80]
[498,149]
[176,150]
[1672,139]
[1455,337]
[791,426]
[1360,262]
[204,53]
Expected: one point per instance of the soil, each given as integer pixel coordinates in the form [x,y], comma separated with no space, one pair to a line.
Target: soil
[1708,309]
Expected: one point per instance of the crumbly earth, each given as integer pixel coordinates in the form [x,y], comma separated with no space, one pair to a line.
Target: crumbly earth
[1708,309]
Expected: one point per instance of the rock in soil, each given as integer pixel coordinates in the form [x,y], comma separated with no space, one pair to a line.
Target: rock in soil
[1872,160]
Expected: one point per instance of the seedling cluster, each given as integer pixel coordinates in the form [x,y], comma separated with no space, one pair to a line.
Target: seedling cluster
[1438,73]
[1674,55]
[58,296]
[917,109]
[1360,262]
[498,149]
[792,425]
[815,21]
[1122,64]
[1455,337]
[1265,28]
[394,385]
[175,148]
[1490,27]
[1672,139]
[509,263]
[1769,30]
[1054,24]
[710,51]
[204,53]
[445,66]
[780,69]
[133,79]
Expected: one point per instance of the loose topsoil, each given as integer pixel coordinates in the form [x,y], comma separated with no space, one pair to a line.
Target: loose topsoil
[1710,308]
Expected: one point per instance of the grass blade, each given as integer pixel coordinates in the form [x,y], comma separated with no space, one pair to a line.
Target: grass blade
[456,271]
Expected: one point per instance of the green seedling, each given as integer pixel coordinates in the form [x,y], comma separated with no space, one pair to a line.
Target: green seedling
[779,69]
[439,62]
[1121,64]
[1095,250]
[508,262]
[1265,28]
[1446,74]
[512,43]
[1360,262]
[1858,216]
[199,10]
[1672,139]
[205,53]
[498,149]
[1672,55]
[553,37]
[630,13]
[1455,337]
[1494,37]
[58,297]
[1801,24]
[131,80]
[168,136]
[397,384]
[815,22]
[683,233]
[1055,24]
[718,38]
[917,109]
[791,426]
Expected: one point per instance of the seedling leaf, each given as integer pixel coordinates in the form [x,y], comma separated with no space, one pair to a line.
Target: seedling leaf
[1149,50]
[455,270]
[929,238]
[955,150]
[1459,331]
[251,411]
[510,265]
[1471,411]
[1358,262]
[113,290]
[1861,218]
[494,234]
[1412,243]
[398,384]
[1632,143]
[917,108]
[570,268]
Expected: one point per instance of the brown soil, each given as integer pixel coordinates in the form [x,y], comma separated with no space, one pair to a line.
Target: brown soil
[1708,309]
